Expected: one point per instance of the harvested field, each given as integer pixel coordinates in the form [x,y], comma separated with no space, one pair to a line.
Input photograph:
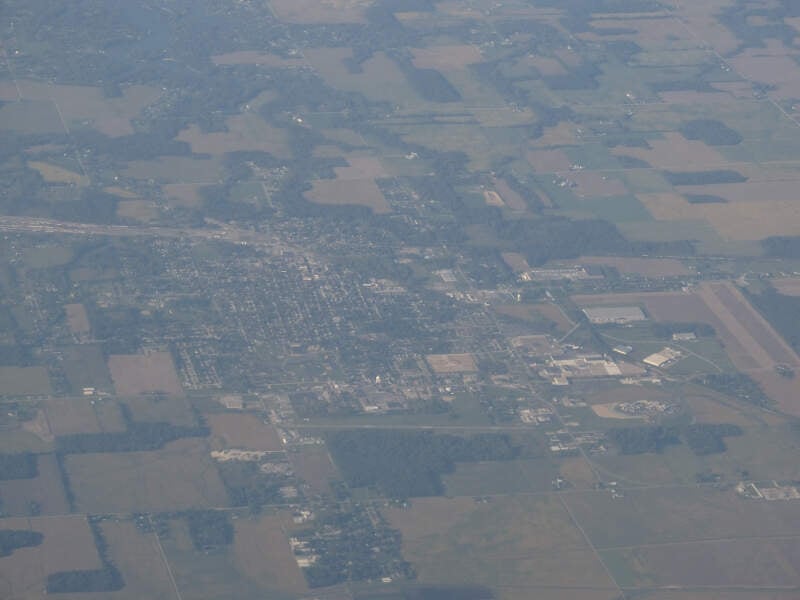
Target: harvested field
[178,477]
[357,192]
[55,174]
[650,517]
[77,319]
[549,161]
[44,492]
[492,198]
[68,545]
[120,192]
[445,58]
[136,374]
[512,199]
[24,381]
[31,117]
[329,12]
[360,167]
[452,363]
[676,153]
[517,541]
[788,287]
[183,194]
[379,79]
[67,416]
[744,563]
[177,411]
[262,553]
[244,431]
[246,132]
[138,210]
[110,116]
[546,65]
[772,65]
[85,366]
[138,557]
[592,183]
[647,267]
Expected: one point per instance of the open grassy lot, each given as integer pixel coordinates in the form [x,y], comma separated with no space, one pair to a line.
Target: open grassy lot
[246,431]
[509,477]
[739,563]
[513,542]
[180,476]
[66,416]
[680,514]
[314,466]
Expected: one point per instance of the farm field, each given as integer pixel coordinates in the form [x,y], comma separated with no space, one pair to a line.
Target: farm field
[180,476]
[144,373]
[460,541]
[67,544]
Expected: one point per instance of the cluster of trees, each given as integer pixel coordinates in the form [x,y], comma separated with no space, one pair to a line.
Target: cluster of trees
[350,547]
[702,439]
[644,439]
[209,528]
[23,465]
[403,464]
[248,486]
[704,177]
[738,385]
[708,438]
[12,539]
[711,132]
[137,437]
